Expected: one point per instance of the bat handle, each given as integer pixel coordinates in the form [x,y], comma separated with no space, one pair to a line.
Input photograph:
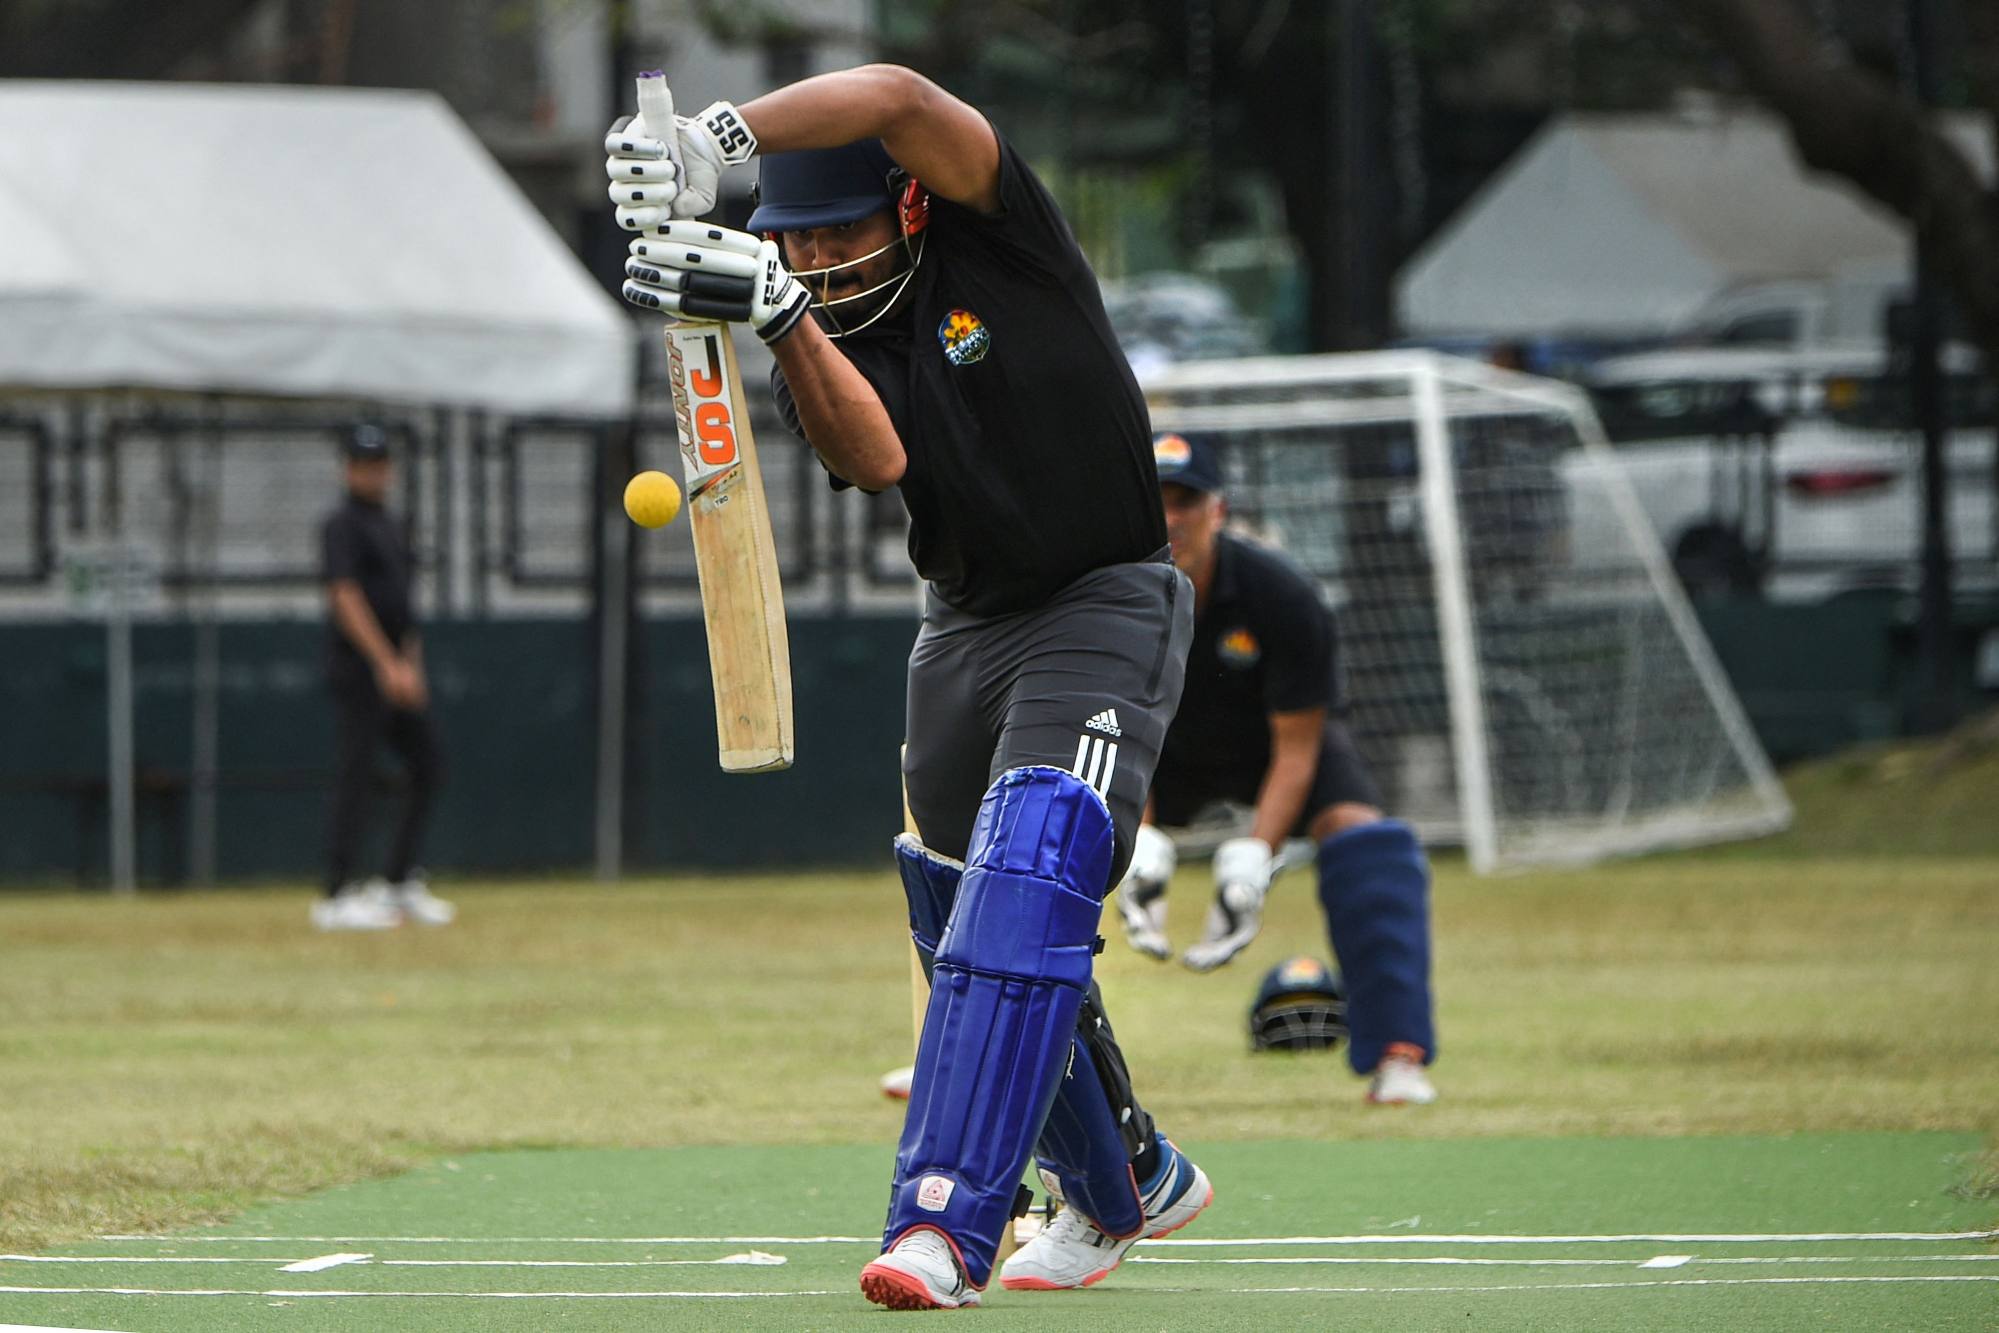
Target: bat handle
[656,108]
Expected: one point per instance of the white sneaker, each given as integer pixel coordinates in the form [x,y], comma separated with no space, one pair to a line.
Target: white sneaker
[1071,1252]
[920,1272]
[414,900]
[1399,1079]
[895,1083]
[357,907]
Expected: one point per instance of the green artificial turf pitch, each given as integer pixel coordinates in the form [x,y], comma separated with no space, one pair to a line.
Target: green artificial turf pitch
[1876,1231]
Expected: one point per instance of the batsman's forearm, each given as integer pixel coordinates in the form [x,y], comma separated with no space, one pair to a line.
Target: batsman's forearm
[844,420]
[829,110]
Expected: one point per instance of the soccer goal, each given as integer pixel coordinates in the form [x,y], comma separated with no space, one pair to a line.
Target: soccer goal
[1526,677]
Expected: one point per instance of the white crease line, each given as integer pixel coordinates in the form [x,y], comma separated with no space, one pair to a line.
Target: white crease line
[1399,1238]
[126,1259]
[304,1294]
[1460,1261]
[169,1238]
[324,1262]
[1238,1291]
[737,1260]
[1714,1238]
[1141,1258]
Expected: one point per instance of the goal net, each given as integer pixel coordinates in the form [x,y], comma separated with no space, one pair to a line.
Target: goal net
[1525,676]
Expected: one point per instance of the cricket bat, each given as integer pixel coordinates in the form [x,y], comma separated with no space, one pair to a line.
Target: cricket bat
[742,600]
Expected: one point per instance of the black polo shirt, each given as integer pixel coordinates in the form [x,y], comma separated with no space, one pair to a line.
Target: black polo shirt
[360,541]
[1263,644]
[1029,449]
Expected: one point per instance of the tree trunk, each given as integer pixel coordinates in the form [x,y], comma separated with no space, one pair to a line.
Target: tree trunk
[1856,125]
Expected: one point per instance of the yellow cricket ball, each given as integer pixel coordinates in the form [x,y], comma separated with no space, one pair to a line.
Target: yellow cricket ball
[652,499]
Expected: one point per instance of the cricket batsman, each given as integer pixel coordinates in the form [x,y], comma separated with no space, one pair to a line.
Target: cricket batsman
[937,329]
[1259,722]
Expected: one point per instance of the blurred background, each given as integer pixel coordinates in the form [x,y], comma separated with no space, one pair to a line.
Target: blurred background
[1759,239]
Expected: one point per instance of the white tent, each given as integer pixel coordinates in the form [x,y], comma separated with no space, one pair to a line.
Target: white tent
[286,241]
[1629,224]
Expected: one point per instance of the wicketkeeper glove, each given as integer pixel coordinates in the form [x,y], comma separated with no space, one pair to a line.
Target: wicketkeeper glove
[698,271]
[1242,881]
[1141,899]
[663,172]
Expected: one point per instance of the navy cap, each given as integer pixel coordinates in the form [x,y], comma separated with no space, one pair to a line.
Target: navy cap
[1188,462]
[822,187]
[364,442]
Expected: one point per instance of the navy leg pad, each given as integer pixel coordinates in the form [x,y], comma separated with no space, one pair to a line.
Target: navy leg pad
[1011,970]
[930,882]
[1082,1146]
[1375,887]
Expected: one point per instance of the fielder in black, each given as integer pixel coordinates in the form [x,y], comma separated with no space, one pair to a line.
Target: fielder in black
[956,348]
[1260,724]
[374,670]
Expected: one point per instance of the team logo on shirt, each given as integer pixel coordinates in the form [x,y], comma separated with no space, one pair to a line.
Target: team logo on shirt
[1239,648]
[965,338]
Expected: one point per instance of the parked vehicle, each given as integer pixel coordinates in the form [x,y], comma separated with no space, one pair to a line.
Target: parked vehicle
[1794,474]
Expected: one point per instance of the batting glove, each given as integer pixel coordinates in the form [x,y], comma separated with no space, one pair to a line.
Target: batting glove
[698,271]
[663,172]
[1242,881]
[1141,899]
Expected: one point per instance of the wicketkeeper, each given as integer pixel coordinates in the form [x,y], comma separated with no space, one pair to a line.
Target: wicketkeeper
[1260,722]
[937,329]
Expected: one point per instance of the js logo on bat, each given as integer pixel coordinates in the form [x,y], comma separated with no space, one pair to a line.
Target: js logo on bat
[965,338]
[701,405]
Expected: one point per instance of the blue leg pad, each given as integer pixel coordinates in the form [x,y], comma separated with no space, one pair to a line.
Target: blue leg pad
[1375,887]
[1081,1142]
[1011,970]
[1082,1147]
[930,882]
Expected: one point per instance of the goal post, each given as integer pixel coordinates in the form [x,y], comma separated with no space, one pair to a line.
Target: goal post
[1525,676]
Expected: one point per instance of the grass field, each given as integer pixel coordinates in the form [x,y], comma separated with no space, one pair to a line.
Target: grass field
[176,1060]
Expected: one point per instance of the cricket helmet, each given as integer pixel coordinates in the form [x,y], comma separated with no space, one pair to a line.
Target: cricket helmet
[1300,1006]
[831,187]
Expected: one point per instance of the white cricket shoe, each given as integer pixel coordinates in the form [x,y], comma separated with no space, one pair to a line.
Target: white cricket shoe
[357,907]
[920,1272]
[1399,1080]
[1071,1252]
[896,1083]
[415,901]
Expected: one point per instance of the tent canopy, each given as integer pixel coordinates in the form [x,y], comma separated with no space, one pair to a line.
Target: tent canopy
[286,241]
[1629,224]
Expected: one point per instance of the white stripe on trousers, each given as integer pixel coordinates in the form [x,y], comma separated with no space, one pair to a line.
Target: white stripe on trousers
[1096,758]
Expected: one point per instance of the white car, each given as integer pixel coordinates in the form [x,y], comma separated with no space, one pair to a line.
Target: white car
[1795,475]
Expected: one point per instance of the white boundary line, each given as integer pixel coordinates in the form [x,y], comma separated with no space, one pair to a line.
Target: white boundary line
[772,1260]
[1399,1238]
[1461,1261]
[297,1294]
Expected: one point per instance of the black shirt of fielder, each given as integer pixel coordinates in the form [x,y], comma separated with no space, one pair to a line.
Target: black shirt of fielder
[359,541]
[1263,644]
[1029,450]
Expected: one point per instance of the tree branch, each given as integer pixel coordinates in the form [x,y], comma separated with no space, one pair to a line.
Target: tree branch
[1855,125]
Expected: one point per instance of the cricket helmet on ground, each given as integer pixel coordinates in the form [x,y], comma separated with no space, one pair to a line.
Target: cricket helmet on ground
[1300,1006]
[831,187]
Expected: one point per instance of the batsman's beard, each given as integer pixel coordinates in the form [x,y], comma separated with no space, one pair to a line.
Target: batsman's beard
[850,313]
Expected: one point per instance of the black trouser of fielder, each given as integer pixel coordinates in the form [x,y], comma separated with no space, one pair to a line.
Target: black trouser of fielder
[1341,778]
[362,720]
[1088,683]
